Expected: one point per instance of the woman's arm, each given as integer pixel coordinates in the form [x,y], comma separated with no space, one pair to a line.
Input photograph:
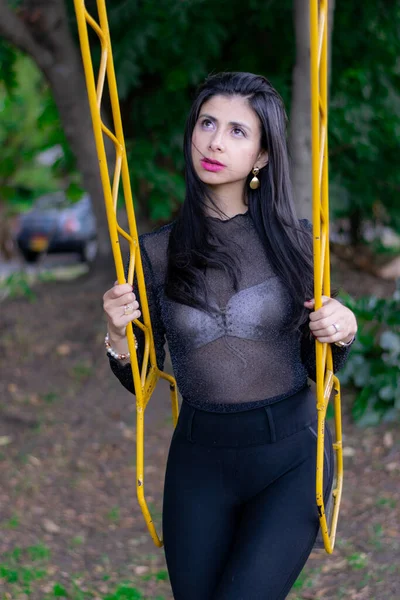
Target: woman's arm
[122,369]
[321,323]
[308,356]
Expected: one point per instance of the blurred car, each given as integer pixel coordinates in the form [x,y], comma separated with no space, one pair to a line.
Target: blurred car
[54,225]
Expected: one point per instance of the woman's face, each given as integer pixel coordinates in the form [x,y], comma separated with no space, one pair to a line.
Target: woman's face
[226,141]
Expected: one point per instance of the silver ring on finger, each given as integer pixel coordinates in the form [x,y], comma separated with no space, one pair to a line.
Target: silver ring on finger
[336,326]
[128,309]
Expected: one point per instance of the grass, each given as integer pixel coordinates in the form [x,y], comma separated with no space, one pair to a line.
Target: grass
[358,560]
[306,579]
[17,285]
[12,523]
[20,576]
[76,541]
[114,514]
[51,397]
[124,592]
[376,537]
[27,571]
[383,502]
[38,552]
[81,371]
[161,575]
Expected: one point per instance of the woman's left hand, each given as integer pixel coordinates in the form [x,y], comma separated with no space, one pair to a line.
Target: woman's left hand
[333,322]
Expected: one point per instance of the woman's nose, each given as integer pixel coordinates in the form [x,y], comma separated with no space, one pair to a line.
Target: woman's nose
[216,143]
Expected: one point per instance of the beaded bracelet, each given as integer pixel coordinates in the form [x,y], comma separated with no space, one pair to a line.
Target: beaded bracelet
[115,354]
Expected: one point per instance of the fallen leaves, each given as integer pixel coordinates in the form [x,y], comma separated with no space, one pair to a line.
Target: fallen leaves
[392,466]
[141,570]
[348,451]
[5,440]
[63,349]
[388,439]
[50,526]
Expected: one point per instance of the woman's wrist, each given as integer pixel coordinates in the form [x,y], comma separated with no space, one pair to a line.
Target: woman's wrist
[116,334]
[346,342]
[116,339]
[352,334]
[349,338]
[117,345]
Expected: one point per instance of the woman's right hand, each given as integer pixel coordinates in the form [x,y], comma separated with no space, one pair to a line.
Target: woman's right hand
[114,301]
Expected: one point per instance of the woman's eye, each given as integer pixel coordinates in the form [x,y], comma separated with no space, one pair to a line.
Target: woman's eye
[206,123]
[238,131]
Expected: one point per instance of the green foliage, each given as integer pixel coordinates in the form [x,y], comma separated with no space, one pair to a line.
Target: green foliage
[124,592]
[373,368]
[8,56]
[20,284]
[365,110]
[163,50]
[29,125]
[22,576]
[165,53]
[169,48]
[59,591]
[17,285]
[358,560]
[24,570]
[22,105]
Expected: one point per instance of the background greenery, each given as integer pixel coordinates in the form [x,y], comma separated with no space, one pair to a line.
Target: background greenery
[373,369]
[168,49]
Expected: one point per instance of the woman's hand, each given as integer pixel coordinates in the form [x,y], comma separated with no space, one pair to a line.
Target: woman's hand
[115,301]
[331,313]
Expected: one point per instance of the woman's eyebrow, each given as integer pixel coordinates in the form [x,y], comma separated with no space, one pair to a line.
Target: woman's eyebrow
[232,123]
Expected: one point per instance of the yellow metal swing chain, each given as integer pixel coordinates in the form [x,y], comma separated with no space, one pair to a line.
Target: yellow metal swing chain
[326,380]
[145,379]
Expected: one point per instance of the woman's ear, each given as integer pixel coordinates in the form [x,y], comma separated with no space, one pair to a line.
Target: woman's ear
[262,159]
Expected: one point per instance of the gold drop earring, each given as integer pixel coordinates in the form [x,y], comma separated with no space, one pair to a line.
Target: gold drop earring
[255,182]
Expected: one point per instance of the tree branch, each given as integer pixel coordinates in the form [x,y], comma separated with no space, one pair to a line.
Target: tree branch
[17,33]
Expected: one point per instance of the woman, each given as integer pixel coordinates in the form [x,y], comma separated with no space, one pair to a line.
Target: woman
[230,285]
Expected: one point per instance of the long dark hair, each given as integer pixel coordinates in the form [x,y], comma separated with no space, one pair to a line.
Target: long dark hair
[193,241]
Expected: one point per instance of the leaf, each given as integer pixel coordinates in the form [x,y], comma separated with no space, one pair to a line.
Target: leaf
[387,393]
[50,526]
[390,341]
[362,375]
[63,349]
[361,403]
[368,419]
[5,440]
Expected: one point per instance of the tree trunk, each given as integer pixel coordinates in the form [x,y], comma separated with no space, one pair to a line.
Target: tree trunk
[40,28]
[300,116]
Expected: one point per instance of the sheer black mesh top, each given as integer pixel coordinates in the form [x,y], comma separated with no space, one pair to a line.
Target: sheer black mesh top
[240,356]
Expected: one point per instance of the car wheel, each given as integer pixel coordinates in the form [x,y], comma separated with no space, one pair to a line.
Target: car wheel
[30,256]
[89,251]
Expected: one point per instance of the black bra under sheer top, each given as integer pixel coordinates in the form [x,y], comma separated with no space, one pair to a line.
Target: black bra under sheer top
[240,355]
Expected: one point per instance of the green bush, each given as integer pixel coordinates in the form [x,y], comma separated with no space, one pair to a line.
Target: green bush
[373,368]
[16,285]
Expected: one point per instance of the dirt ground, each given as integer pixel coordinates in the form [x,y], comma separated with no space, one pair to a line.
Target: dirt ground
[70,522]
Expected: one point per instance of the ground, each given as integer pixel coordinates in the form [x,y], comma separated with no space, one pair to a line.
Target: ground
[70,521]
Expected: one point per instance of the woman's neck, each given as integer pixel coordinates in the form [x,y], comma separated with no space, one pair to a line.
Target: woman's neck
[229,201]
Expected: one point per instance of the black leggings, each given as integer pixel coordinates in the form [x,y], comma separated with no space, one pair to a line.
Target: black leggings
[239,516]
